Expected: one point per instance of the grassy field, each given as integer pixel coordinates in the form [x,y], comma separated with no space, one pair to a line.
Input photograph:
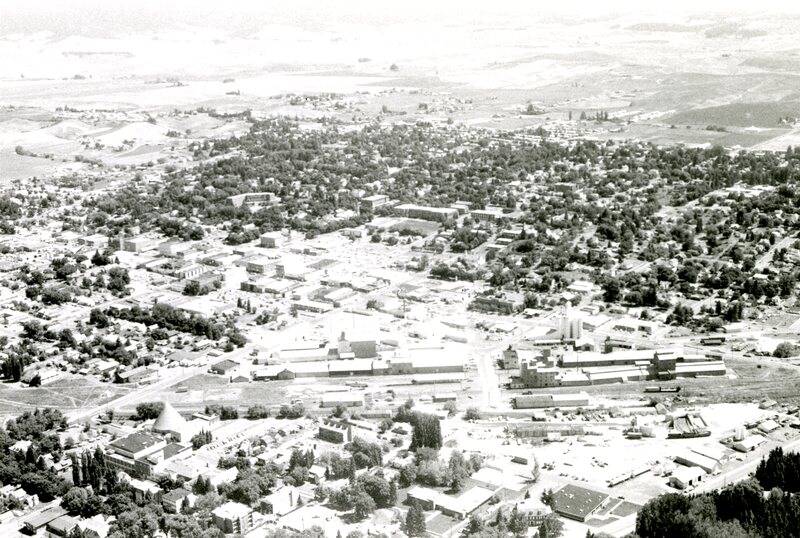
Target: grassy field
[65,394]
[765,114]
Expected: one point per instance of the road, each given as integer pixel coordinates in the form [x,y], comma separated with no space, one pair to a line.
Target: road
[171,376]
[739,473]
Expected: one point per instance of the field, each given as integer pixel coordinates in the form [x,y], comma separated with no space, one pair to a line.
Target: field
[759,114]
[65,394]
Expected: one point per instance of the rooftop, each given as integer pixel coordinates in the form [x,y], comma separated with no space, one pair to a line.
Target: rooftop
[232,510]
[136,442]
[576,501]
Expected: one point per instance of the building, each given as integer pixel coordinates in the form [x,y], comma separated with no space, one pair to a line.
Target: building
[169,421]
[175,500]
[693,459]
[280,502]
[224,367]
[436,214]
[347,399]
[146,491]
[128,453]
[457,507]
[569,326]
[335,431]
[375,201]
[533,511]
[39,520]
[271,239]
[62,526]
[578,503]
[254,200]
[233,517]
[141,374]
[501,305]
[542,401]
[685,477]
[535,375]
[748,444]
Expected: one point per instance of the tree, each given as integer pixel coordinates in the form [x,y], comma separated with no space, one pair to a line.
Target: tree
[547,497]
[426,431]
[149,410]
[257,411]
[612,291]
[415,521]
[550,527]
[35,381]
[363,505]
[784,350]
[517,524]
[472,413]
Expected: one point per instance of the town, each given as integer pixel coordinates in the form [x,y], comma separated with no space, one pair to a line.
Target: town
[295,317]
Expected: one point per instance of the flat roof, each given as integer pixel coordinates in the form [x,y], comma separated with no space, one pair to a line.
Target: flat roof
[136,442]
[232,510]
[577,501]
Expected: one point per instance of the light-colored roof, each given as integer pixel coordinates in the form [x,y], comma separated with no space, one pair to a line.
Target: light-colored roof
[686,474]
[232,510]
[169,420]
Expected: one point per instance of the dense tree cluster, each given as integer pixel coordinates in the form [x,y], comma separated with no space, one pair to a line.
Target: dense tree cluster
[739,510]
[162,315]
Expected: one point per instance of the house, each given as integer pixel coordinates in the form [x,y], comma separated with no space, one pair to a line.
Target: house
[175,500]
[141,374]
[224,367]
[685,477]
[335,432]
[233,517]
[576,502]
[316,473]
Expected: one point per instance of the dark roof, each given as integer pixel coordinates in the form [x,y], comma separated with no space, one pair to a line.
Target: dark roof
[577,502]
[176,495]
[227,364]
[173,449]
[136,442]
